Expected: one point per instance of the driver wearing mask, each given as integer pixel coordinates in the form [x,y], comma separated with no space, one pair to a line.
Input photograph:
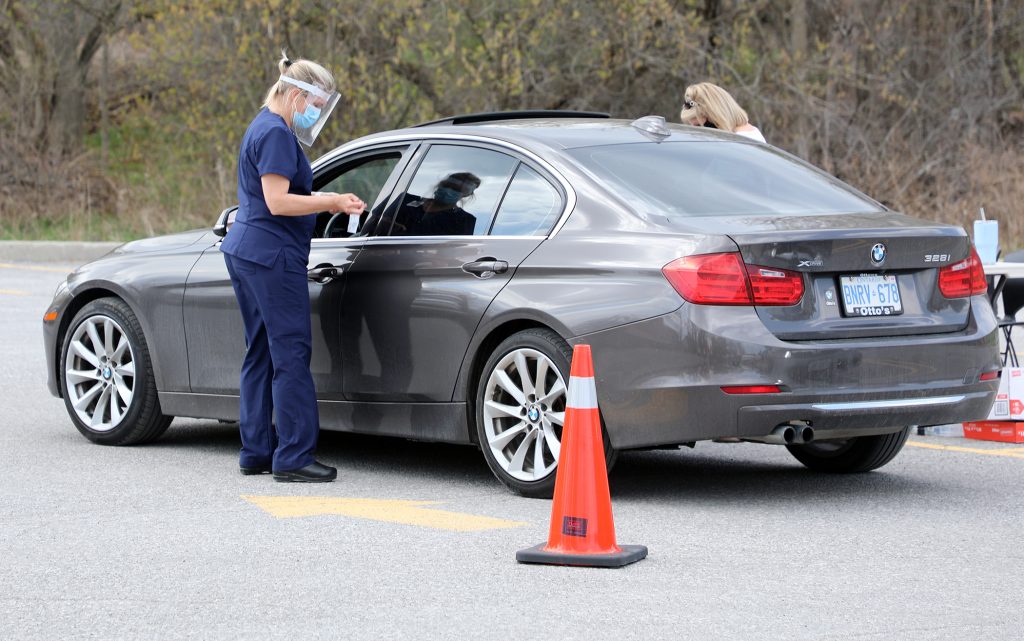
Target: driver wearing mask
[441,215]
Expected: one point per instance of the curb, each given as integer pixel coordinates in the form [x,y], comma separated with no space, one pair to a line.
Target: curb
[50,251]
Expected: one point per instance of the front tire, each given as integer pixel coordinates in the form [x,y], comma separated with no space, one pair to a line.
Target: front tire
[852,455]
[520,411]
[107,378]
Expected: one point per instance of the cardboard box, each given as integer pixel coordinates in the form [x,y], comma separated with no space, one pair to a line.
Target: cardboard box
[1003,431]
[1009,404]
[1016,375]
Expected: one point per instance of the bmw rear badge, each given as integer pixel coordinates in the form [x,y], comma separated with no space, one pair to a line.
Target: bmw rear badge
[878,254]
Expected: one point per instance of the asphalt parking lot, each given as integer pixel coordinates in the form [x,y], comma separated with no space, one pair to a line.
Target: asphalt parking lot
[168,541]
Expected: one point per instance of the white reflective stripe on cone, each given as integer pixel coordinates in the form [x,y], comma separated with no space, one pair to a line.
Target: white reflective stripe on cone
[582,394]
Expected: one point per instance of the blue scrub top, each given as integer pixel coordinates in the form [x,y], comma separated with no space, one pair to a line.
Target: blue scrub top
[270,147]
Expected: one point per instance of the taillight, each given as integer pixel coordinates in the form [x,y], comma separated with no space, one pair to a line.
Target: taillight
[710,279]
[772,286]
[723,279]
[966,278]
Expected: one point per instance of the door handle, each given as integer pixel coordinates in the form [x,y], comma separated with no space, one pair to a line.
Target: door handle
[323,273]
[486,267]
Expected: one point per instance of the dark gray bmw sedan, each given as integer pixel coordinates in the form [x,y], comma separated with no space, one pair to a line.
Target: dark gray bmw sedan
[729,291]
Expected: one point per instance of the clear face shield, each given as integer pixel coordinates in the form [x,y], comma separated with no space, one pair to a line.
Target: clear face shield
[319,104]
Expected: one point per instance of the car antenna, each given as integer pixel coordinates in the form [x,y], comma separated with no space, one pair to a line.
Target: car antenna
[652,127]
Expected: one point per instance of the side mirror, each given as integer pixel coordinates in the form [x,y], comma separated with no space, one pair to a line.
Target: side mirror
[225,220]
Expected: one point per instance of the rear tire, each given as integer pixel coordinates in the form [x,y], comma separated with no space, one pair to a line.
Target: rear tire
[852,455]
[505,404]
[106,376]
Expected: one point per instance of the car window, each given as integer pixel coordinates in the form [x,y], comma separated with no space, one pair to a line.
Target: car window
[530,207]
[364,178]
[454,192]
[718,179]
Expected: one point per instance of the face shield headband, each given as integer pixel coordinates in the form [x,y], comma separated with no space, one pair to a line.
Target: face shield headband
[307,124]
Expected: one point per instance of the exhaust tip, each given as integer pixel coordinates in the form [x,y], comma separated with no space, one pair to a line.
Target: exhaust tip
[806,434]
[786,433]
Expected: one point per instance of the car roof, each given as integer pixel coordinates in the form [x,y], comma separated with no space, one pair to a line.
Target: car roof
[558,133]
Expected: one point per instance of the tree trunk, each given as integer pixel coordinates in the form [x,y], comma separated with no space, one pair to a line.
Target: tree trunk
[56,43]
[798,20]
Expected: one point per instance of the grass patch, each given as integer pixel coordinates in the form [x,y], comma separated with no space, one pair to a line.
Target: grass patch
[155,181]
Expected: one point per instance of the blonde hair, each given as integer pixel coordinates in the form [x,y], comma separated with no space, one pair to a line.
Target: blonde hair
[303,70]
[715,105]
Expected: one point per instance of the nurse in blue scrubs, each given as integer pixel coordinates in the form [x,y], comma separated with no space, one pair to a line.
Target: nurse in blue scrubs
[266,252]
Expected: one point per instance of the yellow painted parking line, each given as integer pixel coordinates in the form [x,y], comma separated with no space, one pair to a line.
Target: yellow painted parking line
[37,268]
[13,292]
[387,510]
[1012,452]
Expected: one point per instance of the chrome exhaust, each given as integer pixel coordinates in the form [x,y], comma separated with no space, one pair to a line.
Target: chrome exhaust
[781,435]
[786,434]
[804,433]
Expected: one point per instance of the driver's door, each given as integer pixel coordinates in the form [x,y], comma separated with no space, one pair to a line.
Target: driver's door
[213,324]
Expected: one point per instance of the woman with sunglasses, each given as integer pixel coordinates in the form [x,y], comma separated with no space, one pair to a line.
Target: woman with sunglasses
[708,105]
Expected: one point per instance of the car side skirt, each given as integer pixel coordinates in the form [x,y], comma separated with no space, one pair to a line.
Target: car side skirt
[442,422]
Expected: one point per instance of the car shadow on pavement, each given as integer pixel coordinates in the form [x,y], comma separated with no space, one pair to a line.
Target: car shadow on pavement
[426,461]
[692,476]
[712,473]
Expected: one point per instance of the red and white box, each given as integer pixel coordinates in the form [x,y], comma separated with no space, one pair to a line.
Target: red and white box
[1005,422]
[1009,405]
[1004,431]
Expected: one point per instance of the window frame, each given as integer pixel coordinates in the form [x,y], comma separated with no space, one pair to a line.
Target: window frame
[328,171]
[552,183]
[415,162]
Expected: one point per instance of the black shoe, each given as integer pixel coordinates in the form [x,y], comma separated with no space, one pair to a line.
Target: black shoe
[250,471]
[312,473]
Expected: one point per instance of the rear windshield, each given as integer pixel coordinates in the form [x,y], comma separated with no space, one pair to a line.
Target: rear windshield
[717,179]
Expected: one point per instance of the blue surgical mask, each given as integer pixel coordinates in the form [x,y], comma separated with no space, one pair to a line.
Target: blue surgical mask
[308,118]
[447,196]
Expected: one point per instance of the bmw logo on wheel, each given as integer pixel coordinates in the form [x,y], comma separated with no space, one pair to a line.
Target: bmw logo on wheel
[878,254]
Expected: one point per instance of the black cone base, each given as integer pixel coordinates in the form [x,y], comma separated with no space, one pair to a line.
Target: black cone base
[629,554]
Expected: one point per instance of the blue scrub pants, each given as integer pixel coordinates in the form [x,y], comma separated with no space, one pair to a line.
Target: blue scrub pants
[275,373]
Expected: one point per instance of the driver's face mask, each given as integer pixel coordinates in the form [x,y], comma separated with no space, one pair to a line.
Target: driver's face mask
[319,104]
[447,195]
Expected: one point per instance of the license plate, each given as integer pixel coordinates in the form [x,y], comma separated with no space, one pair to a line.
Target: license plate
[871,295]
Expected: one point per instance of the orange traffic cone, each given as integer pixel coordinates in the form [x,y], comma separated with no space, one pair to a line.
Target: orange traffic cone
[582,528]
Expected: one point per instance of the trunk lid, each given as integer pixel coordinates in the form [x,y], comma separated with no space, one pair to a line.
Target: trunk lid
[849,292]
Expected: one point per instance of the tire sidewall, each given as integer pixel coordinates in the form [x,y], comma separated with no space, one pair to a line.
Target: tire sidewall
[547,343]
[143,379]
[859,454]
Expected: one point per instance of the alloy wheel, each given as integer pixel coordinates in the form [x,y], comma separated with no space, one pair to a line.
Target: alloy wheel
[524,412]
[100,373]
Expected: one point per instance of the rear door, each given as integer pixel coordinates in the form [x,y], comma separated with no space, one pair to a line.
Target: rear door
[421,284]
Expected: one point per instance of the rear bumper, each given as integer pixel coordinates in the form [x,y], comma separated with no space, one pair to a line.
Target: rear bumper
[659,381]
[867,413]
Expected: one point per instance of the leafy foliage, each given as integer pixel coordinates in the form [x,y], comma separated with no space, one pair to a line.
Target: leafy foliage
[920,105]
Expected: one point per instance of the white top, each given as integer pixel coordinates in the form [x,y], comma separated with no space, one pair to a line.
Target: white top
[753,133]
[1010,270]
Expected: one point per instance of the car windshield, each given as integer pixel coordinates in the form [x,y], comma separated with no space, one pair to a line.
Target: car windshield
[717,179]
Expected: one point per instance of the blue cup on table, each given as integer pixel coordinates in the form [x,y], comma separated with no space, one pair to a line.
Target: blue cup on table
[986,240]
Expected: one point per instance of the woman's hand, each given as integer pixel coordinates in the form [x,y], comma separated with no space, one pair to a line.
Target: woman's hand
[282,203]
[348,203]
